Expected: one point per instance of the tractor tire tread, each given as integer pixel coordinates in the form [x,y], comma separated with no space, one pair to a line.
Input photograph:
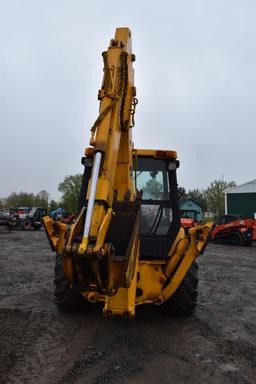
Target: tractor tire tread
[67,298]
[183,302]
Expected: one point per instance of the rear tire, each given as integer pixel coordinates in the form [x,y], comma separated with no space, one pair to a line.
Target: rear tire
[183,302]
[26,224]
[67,298]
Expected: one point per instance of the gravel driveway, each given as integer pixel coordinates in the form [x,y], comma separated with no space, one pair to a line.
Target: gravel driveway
[39,344]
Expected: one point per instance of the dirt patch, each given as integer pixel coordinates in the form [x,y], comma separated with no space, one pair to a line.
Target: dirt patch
[39,344]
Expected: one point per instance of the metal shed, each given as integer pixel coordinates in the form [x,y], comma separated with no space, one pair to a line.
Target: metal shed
[241,199]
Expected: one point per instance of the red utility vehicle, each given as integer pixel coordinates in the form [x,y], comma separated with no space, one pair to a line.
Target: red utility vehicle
[189,218]
[234,229]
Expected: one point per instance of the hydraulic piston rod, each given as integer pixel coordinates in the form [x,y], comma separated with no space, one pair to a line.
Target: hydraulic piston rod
[94,180]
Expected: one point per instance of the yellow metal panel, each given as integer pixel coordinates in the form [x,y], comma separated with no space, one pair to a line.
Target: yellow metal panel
[181,272]
[180,236]
[123,302]
[151,279]
[103,231]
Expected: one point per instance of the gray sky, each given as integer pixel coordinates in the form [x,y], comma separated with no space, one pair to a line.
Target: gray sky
[195,78]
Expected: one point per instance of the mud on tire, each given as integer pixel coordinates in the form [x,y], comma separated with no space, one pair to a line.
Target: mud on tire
[67,298]
[183,301]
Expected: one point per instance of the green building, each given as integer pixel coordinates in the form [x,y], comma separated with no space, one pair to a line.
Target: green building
[241,199]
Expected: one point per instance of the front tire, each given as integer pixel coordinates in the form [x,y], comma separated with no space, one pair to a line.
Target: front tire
[183,302]
[67,298]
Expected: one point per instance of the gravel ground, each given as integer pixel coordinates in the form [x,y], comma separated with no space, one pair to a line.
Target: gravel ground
[39,344]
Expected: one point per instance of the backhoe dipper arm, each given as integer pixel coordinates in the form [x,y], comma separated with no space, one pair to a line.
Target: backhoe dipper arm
[111,135]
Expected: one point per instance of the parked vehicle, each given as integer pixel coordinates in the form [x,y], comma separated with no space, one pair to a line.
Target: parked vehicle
[234,229]
[58,214]
[16,215]
[22,212]
[26,218]
[4,217]
[33,219]
[189,218]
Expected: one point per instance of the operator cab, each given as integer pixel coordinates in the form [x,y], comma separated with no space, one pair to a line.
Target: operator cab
[155,179]
[226,219]
[189,214]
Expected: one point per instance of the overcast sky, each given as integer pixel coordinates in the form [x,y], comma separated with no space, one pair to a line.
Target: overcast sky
[195,75]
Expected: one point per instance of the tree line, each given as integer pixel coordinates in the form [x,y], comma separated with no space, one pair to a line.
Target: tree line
[210,199]
[70,192]
[24,199]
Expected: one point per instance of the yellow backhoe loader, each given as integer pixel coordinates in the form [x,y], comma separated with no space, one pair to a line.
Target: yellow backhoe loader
[126,246]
